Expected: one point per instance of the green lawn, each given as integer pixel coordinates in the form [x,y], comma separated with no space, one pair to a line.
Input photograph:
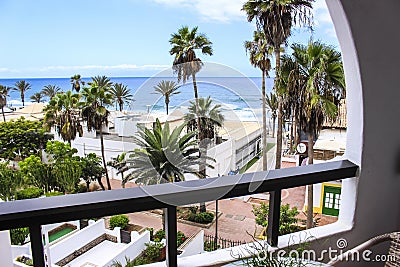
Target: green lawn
[59,234]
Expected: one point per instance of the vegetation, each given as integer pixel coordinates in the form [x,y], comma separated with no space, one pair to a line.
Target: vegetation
[272,102]
[4,90]
[22,87]
[94,112]
[160,235]
[92,170]
[167,89]
[121,221]
[28,193]
[314,76]
[21,138]
[276,19]
[201,217]
[121,95]
[164,156]
[10,181]
[38,174]
[119,163]
[186,64]
[77,82]
[18,236]
[62,112]
[50,91]
[37,97]
[287,221]
[259,52]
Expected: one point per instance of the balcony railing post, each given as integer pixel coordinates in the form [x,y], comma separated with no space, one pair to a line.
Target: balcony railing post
[171,234]
[273,217]
[35,233]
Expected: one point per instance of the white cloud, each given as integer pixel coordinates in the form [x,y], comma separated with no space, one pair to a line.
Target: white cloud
[210,10]
[103,67]
[322,18]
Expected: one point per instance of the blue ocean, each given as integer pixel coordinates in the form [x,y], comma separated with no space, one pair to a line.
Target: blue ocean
[240,96]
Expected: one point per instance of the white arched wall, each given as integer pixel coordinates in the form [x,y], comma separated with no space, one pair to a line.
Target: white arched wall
[370,40]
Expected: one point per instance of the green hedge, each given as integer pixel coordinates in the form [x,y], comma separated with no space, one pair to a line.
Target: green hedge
[27,193]
[202,217]
[119,221]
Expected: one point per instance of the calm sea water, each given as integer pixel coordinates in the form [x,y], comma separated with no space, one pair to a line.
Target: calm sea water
[237,95]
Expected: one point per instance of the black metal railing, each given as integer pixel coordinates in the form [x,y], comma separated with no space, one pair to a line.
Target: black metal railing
[36,212]
[214,243]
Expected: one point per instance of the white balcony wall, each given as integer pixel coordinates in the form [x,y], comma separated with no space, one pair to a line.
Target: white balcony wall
[132,250]
[194,246]
[224,156]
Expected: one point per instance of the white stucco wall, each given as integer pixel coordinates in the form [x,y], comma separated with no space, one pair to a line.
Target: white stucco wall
[224,156]
[132,250]
[5,249]
[194,246]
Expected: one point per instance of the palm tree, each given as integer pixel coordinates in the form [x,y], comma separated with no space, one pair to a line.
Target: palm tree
[320,72]
[163,156]
[94,110]
[77,82]
[22,86]
[186,64]
[272,103]
[3,98]
[259,52]
[210,119]
[119,163]
[166,89]
[121,94]
[276,18]
[36,97]
[50,90]
[62,112]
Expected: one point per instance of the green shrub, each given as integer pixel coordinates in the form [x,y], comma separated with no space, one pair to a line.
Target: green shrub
[27,193]
[54,194]
[151,230]
[18,235]
[25,260]
[202,217]
[119,221]
[180,238]
[159,235]
[153,251]
[288,218]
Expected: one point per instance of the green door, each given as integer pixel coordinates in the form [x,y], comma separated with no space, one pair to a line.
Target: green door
[331,201]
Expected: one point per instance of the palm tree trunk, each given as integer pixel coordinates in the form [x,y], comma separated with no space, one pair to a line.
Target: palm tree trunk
[310,189]
[202,167]
[122,177]
[101,184]
[23,99]
[166,106]
[104,158]
[264,123]
[2,111]
[291,133]
[273,127]
[280,111]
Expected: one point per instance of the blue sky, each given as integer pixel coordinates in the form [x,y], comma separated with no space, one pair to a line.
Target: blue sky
[47,38]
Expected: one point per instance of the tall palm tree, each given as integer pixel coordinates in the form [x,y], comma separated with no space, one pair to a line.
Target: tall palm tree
[22,86]
[166,89]
[50,90]
[4,90]
[186,64]
[259,52]
[320,71]
[272,102]
[163,156]
[94,110]
[77,82]
[276,18]
[210,119]
[121,94]
[36,97]
[62,112]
